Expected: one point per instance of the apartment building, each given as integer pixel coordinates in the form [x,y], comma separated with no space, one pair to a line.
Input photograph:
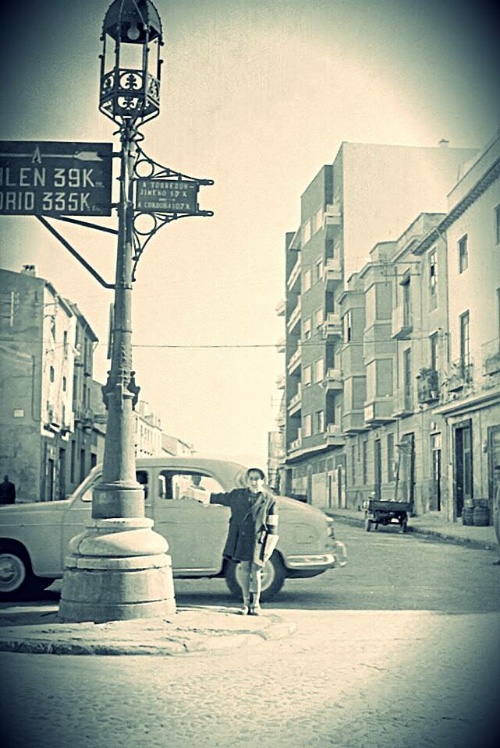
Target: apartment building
[394,314]
[47,443]
[370,193]
[469,395]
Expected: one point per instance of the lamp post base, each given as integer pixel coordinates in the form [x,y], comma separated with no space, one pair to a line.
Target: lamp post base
[118,569]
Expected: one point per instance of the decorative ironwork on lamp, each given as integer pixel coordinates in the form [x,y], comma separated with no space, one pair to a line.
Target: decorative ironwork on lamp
[130,62]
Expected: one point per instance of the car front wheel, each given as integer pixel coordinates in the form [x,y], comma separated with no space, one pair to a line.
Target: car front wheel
[16,575]
[273,578]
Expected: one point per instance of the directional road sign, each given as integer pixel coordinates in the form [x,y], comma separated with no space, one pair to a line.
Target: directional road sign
[51,179]
[167,196]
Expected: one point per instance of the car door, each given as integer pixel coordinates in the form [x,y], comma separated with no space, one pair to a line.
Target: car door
[195,531]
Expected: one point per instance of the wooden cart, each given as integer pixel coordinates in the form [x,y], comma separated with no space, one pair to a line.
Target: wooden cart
[386,513]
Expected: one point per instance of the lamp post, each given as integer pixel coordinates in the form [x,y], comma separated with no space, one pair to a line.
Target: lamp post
[118,568]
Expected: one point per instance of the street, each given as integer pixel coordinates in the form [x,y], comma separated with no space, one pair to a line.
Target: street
[398,650]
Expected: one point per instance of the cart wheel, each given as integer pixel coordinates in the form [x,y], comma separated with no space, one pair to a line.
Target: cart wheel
[404,524]
[368,525]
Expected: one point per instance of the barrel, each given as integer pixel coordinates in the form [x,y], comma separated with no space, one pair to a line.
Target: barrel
[467,515]
[481,515]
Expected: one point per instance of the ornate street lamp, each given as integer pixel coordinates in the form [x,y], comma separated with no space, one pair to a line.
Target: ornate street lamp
[130,62]
[118,568]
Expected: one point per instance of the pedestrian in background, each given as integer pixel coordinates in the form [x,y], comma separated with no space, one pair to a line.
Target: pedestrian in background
[253,533]
[7,491]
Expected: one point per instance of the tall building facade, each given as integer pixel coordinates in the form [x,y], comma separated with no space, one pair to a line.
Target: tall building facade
[340,349]
[52,416]
[47,441]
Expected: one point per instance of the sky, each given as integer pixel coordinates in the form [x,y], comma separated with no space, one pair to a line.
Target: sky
[257,96]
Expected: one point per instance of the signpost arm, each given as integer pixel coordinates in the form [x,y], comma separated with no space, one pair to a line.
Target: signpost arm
[73,251]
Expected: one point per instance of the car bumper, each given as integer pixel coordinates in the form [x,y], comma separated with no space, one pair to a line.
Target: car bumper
[336,555]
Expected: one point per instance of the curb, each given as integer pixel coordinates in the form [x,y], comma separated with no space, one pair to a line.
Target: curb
[157,640]
[429,532]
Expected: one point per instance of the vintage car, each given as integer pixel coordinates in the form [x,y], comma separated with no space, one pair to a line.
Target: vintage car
[34,536]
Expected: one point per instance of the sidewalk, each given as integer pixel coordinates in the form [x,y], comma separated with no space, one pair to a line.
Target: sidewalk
[36,628]
[429,524]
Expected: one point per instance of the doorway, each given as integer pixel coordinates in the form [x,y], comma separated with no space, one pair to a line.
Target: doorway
[493,460]
[435,497]
[463,466]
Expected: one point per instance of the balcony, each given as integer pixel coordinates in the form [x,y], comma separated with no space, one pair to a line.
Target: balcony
[296,444]
[427,386]
[281,345]
[280,382]
[401,328]
[403,404]
[333,380]
[461,375]
[294,317]
[332,326]
[332,219]
[85,418]
[491,357]
[295,404]
[377,412]
[353,422]
[332,271]
[334,435]
[295,360]
[281,308]
[294,277]
[53,419]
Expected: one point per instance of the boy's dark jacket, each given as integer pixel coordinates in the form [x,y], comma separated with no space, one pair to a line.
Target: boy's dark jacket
[252,521]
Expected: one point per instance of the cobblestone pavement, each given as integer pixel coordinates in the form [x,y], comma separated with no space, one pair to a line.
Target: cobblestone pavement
[349,679]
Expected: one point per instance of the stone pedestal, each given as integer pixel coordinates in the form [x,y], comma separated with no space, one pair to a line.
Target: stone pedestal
[118,569]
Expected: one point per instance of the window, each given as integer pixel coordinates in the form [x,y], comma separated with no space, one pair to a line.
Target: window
[390,458]
[406,302]
[347,320]
[306,281]
[307,376]
[433,279]
[434,348]
[9,308]
[176,484]
[306,328]
[465,343]
[353,464]
[497,224]
[307,425]
[319,421]
[407,391]
[318,269]
[319,317]
[319,370]
[52,374]
[364,457]
[463,254]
